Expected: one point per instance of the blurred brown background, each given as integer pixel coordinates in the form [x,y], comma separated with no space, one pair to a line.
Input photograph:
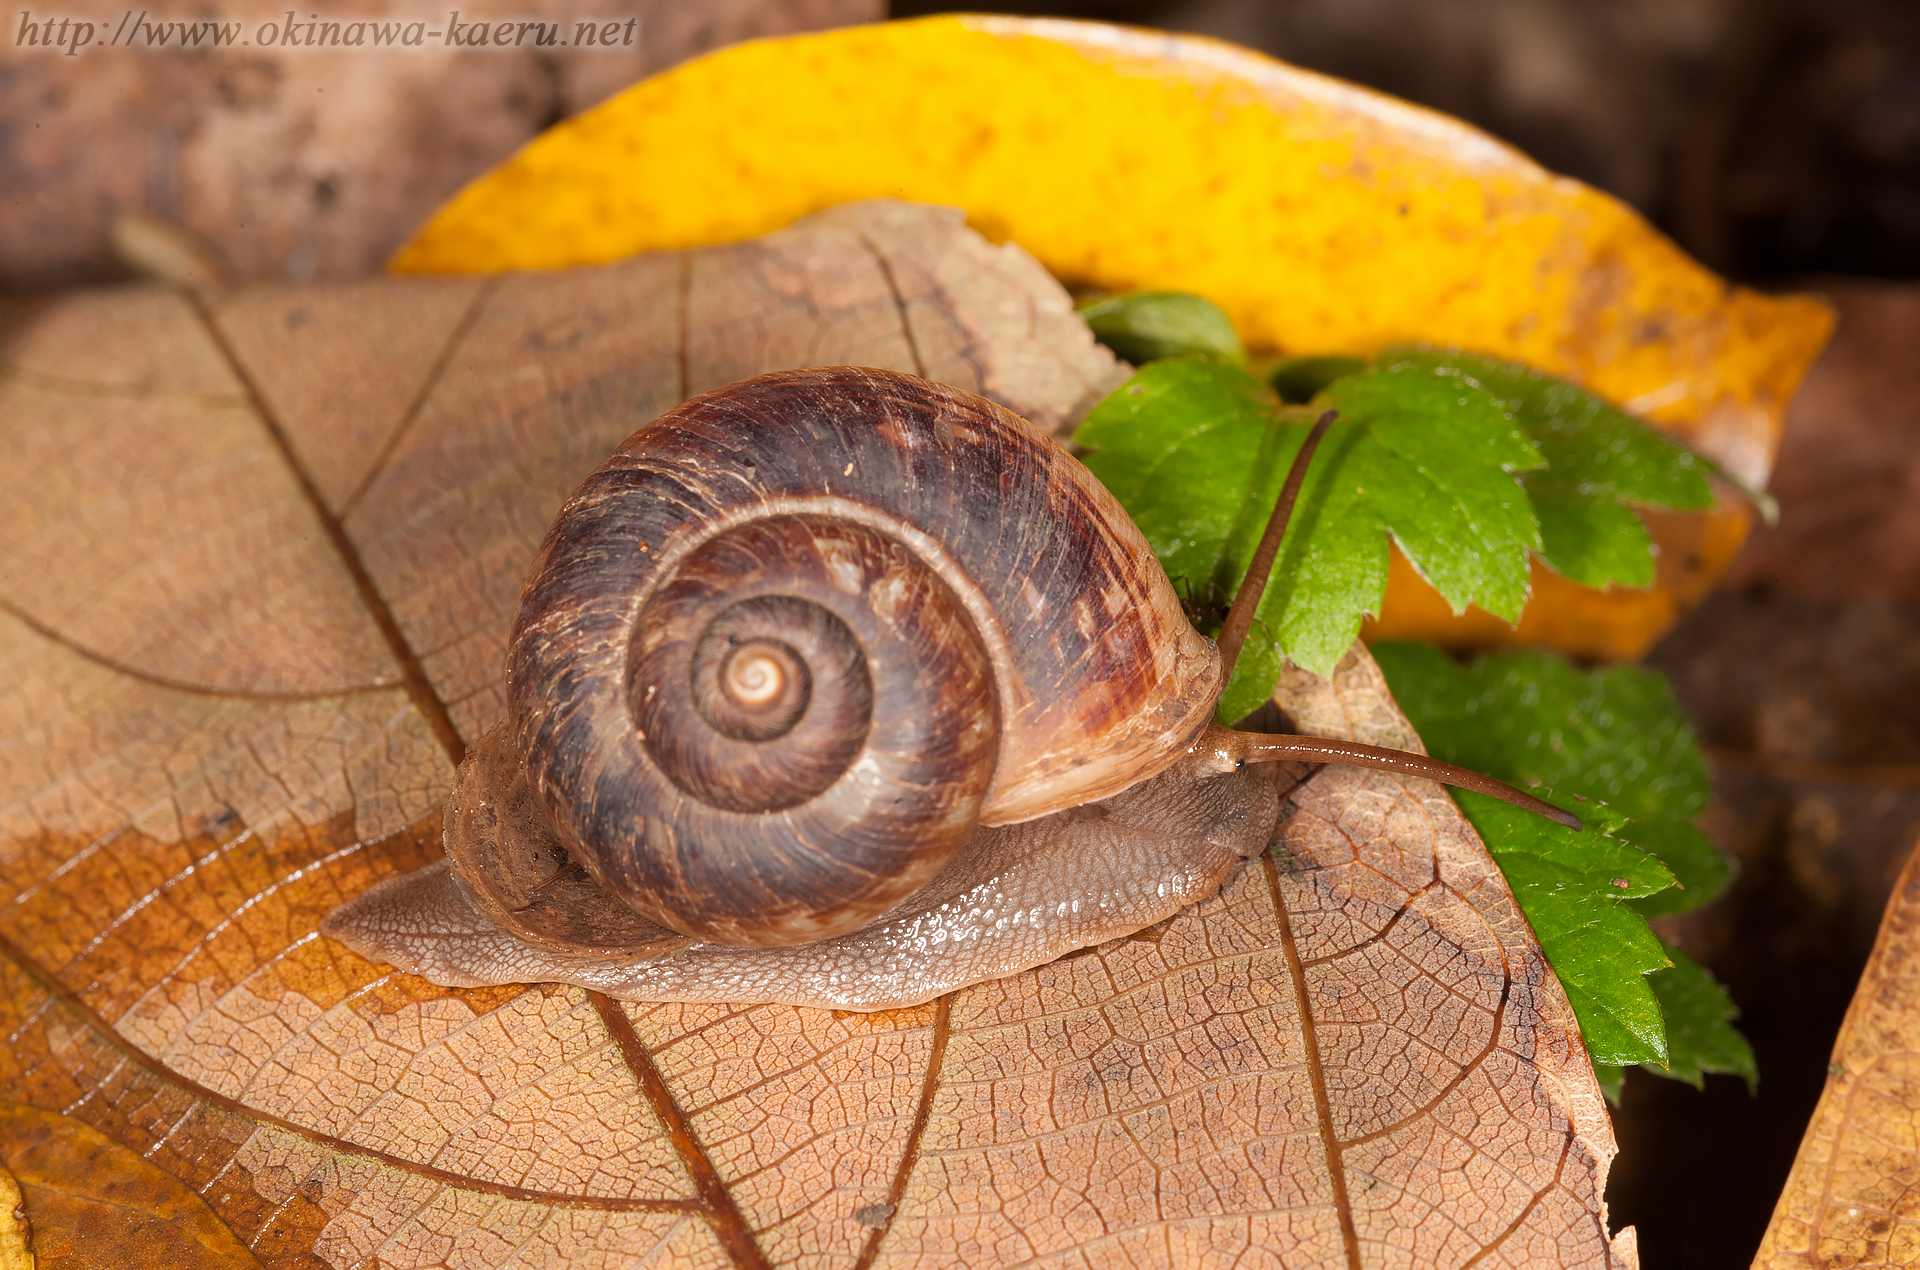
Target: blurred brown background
[302,162]
[1778,140]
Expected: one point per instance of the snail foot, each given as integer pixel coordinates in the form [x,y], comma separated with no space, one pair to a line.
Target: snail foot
[1012,898]
[428,923]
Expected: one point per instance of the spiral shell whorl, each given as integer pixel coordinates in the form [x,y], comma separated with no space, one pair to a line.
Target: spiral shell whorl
[739,598]
[750,682]
[1019,643]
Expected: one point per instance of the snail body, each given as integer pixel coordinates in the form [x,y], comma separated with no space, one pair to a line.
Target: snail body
[1013,897]
[834,687]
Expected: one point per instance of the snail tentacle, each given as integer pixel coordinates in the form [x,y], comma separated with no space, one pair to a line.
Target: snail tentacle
[1225,750]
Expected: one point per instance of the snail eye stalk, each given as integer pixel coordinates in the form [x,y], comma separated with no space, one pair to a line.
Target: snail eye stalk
[1227,749]
[1233,633]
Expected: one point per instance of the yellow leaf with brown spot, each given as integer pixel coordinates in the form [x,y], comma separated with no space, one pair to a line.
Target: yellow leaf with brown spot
[15,1253]
[1322,217]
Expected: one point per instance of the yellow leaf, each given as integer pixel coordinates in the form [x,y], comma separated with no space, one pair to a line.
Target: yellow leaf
[91,1202]
[1321,216]
[14,1251]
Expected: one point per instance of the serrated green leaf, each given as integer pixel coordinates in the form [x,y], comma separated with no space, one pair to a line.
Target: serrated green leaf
[1197,451]
[1180,445]
[1701,1038]
[1587,442]
[1597,458]
[1447,490]
[1615,735]
[1472,465]
[1147,325]
[1330,571]
[1572,887]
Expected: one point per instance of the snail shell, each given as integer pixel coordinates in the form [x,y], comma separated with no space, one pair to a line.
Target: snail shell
[785,648]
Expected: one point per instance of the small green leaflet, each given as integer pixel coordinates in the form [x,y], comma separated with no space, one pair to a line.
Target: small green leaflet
[1701,1038]
[1571,887]
[1616,735]
[1597,458]
[1147,325]
[1470,464]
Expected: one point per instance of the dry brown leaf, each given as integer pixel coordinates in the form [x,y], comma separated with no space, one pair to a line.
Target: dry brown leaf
[307,162]
[267,564]
[1849,1201]
[89,1201]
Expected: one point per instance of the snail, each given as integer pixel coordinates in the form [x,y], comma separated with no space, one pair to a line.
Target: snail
[841,687]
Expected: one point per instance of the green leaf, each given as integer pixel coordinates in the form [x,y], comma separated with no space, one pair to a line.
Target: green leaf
[1572,887]
[1615,735]
[1180,445]
[1450,499]
[1592,539]
[1148,325]
[1597,458]
[1701,1038]
[1197,451]
[1470,464]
